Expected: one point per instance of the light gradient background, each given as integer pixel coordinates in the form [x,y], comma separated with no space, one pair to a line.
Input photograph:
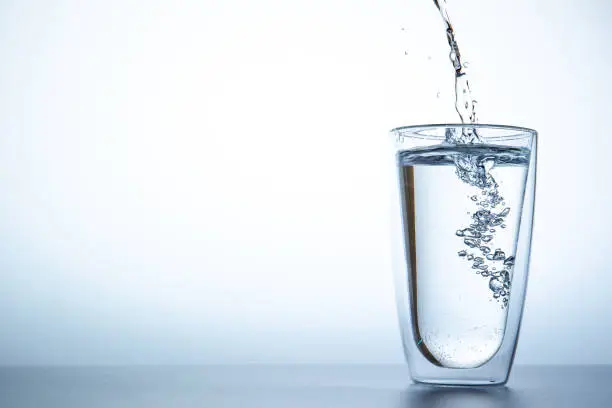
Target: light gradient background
[206,181]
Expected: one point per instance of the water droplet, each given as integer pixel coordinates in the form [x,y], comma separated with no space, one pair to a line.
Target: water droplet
[461,253]
[496,295]
[460,233]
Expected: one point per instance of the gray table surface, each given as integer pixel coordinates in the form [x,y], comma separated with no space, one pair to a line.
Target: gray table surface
[354,386]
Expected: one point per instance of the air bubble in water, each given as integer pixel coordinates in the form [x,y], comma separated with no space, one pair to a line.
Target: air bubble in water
[482,228]
[482,216]
[471,242]
[509,261]
[495,285]
[505,276]
[488,163]
[461,253]
[497,221]
[498,255]
[471,233]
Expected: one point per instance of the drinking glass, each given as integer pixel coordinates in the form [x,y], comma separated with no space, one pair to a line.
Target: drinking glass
[463,216]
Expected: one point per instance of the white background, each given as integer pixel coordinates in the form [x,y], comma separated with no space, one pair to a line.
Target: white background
[206,181]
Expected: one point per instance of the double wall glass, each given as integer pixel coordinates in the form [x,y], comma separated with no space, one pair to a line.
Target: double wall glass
[463,214]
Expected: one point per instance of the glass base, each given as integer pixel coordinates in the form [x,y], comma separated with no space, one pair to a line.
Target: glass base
[450,382]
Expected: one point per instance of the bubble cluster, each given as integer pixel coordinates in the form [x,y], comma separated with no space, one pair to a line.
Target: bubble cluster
[491,212]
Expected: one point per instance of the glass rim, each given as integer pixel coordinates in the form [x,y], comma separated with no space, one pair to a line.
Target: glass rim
[514,131]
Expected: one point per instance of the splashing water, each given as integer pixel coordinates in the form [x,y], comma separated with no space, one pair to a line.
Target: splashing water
[476,171]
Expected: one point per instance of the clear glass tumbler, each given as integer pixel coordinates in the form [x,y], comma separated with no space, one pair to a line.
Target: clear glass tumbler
[463,215]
